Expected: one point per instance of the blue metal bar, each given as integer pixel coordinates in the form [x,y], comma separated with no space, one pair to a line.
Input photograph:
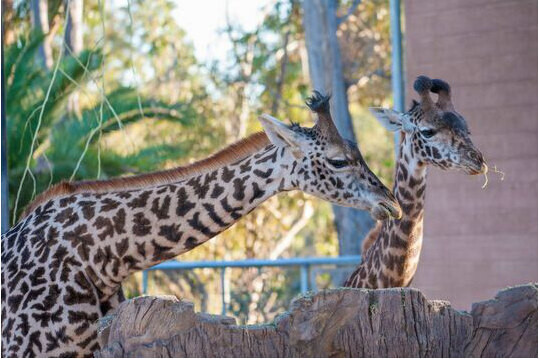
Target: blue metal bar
[145,282]
[304,274]
[223,291]
[396,55]
[246,263]
[396,62]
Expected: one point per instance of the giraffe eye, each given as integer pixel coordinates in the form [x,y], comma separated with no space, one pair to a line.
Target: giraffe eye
[428,133]
[337,163]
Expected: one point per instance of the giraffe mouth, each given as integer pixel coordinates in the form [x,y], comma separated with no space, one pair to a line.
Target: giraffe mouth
[384,211]
[477,169]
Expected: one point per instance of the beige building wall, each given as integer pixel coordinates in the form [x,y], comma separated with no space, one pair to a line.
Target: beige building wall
[478,241]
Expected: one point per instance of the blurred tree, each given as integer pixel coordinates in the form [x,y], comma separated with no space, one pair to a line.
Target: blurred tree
[40,22]
[144,48]
[73,44]
[8,14]
[326,70]
[73,31]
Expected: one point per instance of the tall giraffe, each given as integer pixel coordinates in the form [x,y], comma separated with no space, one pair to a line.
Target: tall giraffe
[64,262]
[431,133]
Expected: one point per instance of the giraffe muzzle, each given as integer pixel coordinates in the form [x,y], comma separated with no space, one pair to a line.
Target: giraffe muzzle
[387,209]
[475,164]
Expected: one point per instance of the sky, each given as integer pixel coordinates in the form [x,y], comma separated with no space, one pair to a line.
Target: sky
[202,20]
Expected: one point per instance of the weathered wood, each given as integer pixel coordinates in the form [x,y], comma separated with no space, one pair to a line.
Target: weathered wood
[506,326]
[341,322]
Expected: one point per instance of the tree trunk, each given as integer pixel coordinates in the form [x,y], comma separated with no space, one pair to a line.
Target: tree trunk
[397,322]
[8,33]
[40,22]
[325,68]
[73,43]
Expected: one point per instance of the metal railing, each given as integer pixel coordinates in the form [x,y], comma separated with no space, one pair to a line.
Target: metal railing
[305,264]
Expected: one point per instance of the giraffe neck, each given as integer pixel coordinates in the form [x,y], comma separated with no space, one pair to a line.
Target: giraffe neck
[134,230]
[391,261]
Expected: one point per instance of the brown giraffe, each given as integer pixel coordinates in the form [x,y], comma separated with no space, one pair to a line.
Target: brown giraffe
[431,133]
[64,262]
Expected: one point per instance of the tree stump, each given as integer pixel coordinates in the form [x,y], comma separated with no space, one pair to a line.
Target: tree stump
[398,322]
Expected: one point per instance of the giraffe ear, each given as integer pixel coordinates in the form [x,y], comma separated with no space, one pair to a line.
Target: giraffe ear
[391,119]
[279,133]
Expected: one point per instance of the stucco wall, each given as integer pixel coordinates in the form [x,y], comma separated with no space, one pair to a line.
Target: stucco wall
[478,240]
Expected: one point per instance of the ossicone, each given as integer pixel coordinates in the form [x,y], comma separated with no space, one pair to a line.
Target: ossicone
[318,102]
[439,86]
[423,85]
[443,90]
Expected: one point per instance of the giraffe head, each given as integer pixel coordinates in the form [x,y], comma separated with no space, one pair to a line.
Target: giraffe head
[329,166]
[439,135]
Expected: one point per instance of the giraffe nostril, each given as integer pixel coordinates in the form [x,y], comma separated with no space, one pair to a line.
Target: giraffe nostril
[478,163]
[474,156]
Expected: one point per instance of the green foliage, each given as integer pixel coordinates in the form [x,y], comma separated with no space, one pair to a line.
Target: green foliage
[67,146]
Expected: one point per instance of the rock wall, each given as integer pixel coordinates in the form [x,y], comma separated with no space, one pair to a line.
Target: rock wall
[334,323]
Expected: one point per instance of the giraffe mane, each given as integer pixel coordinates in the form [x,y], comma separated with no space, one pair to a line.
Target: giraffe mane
[230,154]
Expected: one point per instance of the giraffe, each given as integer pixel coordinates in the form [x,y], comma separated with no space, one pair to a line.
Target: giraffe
[63,263]
[430,133]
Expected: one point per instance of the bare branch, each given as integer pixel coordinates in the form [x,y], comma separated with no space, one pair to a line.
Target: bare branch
[286,240]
